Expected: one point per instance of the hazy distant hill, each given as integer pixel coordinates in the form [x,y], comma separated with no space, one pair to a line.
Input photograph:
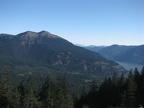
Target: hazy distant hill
[49,50]
[131,54]
[134,55]
[112,51]
[95,48]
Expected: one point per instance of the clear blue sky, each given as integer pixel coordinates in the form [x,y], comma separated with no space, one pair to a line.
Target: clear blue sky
[86,22]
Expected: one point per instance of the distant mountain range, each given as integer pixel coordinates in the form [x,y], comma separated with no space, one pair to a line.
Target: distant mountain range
[122,53]
[49,50]
[95,48]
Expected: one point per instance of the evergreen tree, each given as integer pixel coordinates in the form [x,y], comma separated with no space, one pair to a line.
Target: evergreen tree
[121,84]
[6,90]
[30,100]
[123,99]
[67,97]
[92,97]
[141,88]
[106,93]
[137,80]
[131,88]
[115,79]
[84,90]
[63,98]
[137,76]
[121,90]
[116,89]
[47,93]
[94,86]
[142,72]
[16,98]
[21,90]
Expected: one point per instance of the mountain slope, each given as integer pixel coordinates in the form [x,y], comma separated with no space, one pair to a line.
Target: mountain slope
[49,50]
[134,55]
[122,53]
[111,52]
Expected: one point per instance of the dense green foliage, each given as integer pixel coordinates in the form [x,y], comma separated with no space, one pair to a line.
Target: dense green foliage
[116,92]
[53,94]
[123,91]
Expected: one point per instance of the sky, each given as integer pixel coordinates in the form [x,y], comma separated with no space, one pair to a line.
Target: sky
[85,22]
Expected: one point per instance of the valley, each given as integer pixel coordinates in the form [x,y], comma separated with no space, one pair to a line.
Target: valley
[71,53]
[41,63]
[130,57]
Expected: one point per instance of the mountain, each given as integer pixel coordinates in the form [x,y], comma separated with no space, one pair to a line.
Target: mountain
[95,48]
[134,55]
[112,51]
[49,50]
[122,53]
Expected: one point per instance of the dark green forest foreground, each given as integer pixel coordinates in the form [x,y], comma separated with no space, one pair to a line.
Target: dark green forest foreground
[117,91]
[121,92]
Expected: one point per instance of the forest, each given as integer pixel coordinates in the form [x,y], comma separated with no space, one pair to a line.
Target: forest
[125,91]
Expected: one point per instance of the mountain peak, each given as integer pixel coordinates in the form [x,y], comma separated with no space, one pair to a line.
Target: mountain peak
[31,35]
[28,35]
[47,34]
[44,32]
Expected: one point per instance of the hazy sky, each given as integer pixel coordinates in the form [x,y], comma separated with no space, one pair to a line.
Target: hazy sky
[86,22]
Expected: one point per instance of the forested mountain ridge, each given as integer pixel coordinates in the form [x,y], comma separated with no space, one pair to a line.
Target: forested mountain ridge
[46,49]
[122,53]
